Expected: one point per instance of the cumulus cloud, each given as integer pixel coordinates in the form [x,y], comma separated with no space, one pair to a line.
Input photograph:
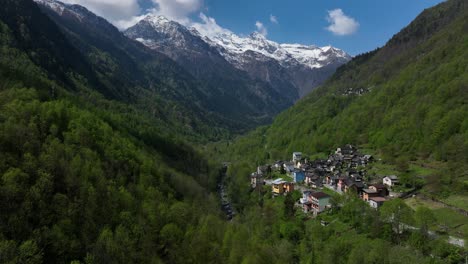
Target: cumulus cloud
[178,9]
[341,24]
[209,27]
[114,11]
[274,19]
[126,13]
[261,28]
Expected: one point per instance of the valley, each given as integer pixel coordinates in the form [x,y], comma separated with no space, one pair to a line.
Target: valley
[165,143]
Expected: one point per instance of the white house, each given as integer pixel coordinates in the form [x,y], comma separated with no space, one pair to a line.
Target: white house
[391,180]
[297,156]
[376,202]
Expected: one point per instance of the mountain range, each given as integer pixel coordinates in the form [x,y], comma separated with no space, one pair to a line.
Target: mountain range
[293,70]
[236,90]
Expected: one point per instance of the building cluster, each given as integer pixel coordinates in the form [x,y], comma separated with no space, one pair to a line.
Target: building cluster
[343,171]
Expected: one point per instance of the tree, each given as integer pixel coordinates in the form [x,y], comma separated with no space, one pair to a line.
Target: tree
[282,170]
[29,252]
[402,165]
[424,218]
[397,213]
[289,206]
[269,171]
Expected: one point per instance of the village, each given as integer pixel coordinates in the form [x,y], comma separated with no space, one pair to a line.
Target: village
[344,171]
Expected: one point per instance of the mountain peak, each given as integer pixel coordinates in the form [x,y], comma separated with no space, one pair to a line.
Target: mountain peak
[157,19]
[57,6]
[234,47]
[257,36]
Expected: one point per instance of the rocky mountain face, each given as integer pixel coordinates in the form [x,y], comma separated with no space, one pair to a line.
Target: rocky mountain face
[292,70]
[227,83]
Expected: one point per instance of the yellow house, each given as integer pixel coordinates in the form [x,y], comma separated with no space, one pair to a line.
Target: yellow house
[280,186]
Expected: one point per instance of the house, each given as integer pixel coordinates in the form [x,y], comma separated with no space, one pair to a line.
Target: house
[263,170]
[315,202]
[298,176]
[306,201]
[369,193]
[278,164]
[320,201]
[380,188]
[368,158]
[376,202]
[316,184]
[331,180]
[256,180]
[310,177]
[288,167]
[348,150]
[297,156]
[342,182]
[391,180]
[355,187]
[280,186]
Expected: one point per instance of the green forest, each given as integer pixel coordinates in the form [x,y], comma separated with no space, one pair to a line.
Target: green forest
[98,168]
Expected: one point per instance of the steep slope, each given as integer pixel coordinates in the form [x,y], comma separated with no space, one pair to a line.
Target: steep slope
[83,178]
[127,71]
[407,99]
[290,70]
[156,83]
[43,44]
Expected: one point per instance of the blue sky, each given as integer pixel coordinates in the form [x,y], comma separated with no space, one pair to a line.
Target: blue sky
[360,25]
[304,21]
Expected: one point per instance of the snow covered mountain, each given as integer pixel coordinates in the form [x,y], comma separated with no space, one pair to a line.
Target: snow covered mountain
[231,46]
[233,65]
[291,69]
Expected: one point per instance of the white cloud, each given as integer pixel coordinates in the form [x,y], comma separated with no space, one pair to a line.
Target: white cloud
[261,28]
[126,23]
[341,24]
[126,13]
[274,19]
[209,27]
[178,9]
[112,10]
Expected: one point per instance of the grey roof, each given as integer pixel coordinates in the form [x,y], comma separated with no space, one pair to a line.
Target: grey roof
[369,191]
[279,181]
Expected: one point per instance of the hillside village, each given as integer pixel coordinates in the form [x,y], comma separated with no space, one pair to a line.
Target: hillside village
[343,171]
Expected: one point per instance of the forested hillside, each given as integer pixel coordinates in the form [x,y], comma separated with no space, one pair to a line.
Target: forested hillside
[89,173]
[406,100]
[82,177]
[96,57]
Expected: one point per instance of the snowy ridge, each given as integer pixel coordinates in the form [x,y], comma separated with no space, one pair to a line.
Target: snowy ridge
[59,7]
[52,4]
[234,47]
[231,45]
